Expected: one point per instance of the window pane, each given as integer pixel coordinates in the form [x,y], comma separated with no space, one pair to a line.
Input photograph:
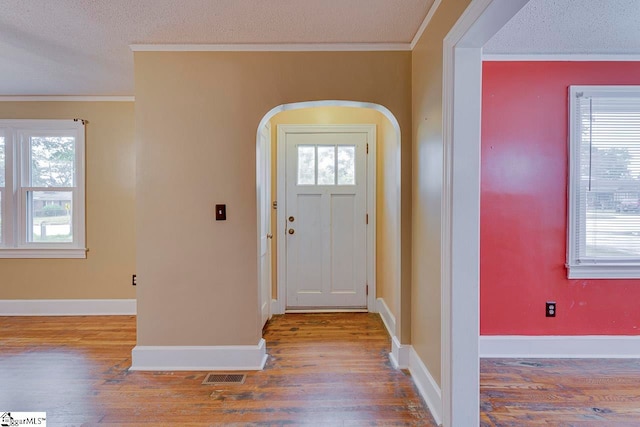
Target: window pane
[610,177]
[612,234]
[346,165]
[326,165]
[2,155]
[50,216]
[52,161]
[306,165]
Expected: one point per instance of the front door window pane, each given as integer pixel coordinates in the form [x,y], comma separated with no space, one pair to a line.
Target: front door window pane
[326,165]
[306,165]
[346,165]
[52,161]
[50,216]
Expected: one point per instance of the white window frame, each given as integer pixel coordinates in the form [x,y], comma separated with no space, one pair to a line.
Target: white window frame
[590,268]
[14,242]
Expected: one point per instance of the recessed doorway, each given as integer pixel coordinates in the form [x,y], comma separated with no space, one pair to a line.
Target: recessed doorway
[383,276]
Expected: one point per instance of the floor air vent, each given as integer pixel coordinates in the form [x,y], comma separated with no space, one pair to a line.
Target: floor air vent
[213,378]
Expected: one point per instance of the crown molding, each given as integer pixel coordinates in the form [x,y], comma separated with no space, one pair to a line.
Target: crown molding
[68,98]
[425,23]
[302,47]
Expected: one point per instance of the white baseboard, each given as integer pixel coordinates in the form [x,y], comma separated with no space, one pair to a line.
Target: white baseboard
[388,318]
[67,307]
[199,358]
[400,354]
[403,356]
[275,307]
[560,347]
[426,385]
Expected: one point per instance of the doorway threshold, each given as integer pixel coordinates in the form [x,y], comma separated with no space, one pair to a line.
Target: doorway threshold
[327,310]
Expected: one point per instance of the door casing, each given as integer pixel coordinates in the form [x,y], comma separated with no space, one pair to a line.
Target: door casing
[263,182]
[283,130]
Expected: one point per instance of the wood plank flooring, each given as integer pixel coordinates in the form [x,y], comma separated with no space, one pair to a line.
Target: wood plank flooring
[323,370]
[560,392]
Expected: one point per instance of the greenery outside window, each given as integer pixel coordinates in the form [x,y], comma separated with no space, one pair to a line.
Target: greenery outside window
[42,189]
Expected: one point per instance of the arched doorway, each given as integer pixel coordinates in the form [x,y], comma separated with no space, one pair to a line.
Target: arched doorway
[385,285]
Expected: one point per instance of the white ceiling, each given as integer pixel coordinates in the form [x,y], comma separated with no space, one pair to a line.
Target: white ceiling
[571,27]
[81,47]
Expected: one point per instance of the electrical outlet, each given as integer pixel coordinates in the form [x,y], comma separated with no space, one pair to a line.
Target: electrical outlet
[133,280]
[551,308]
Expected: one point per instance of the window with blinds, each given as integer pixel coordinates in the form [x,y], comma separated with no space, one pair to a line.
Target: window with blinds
[604,187]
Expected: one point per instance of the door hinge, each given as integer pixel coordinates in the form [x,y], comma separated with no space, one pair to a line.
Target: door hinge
[367,290]
[367,148]
[366,219]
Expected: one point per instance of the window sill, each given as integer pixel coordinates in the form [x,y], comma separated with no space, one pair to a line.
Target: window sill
[43,253]
[604,271]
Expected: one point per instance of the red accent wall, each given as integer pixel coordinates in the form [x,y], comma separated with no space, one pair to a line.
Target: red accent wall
[524,206]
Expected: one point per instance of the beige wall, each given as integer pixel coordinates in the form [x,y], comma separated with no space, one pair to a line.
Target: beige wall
[110,194]
[387,200]
[427,184]
[387,189]
[196,119]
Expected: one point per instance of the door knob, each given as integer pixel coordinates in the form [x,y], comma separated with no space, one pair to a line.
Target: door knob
[291,231]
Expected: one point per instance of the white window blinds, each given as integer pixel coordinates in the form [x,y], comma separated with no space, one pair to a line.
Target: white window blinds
[604,203]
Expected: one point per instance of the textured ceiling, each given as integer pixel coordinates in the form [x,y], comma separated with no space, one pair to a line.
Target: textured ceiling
[571,27]
[81,47]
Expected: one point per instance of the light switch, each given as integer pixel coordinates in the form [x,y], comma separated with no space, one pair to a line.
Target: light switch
[221,212]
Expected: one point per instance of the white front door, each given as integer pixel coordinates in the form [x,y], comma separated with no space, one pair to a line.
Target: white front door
[326,219]
[264,226]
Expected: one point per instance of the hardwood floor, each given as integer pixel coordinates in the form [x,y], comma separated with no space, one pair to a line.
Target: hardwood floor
[560,392]
[323,370]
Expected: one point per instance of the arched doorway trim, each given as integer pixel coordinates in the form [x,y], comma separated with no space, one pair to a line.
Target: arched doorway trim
[392,322]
